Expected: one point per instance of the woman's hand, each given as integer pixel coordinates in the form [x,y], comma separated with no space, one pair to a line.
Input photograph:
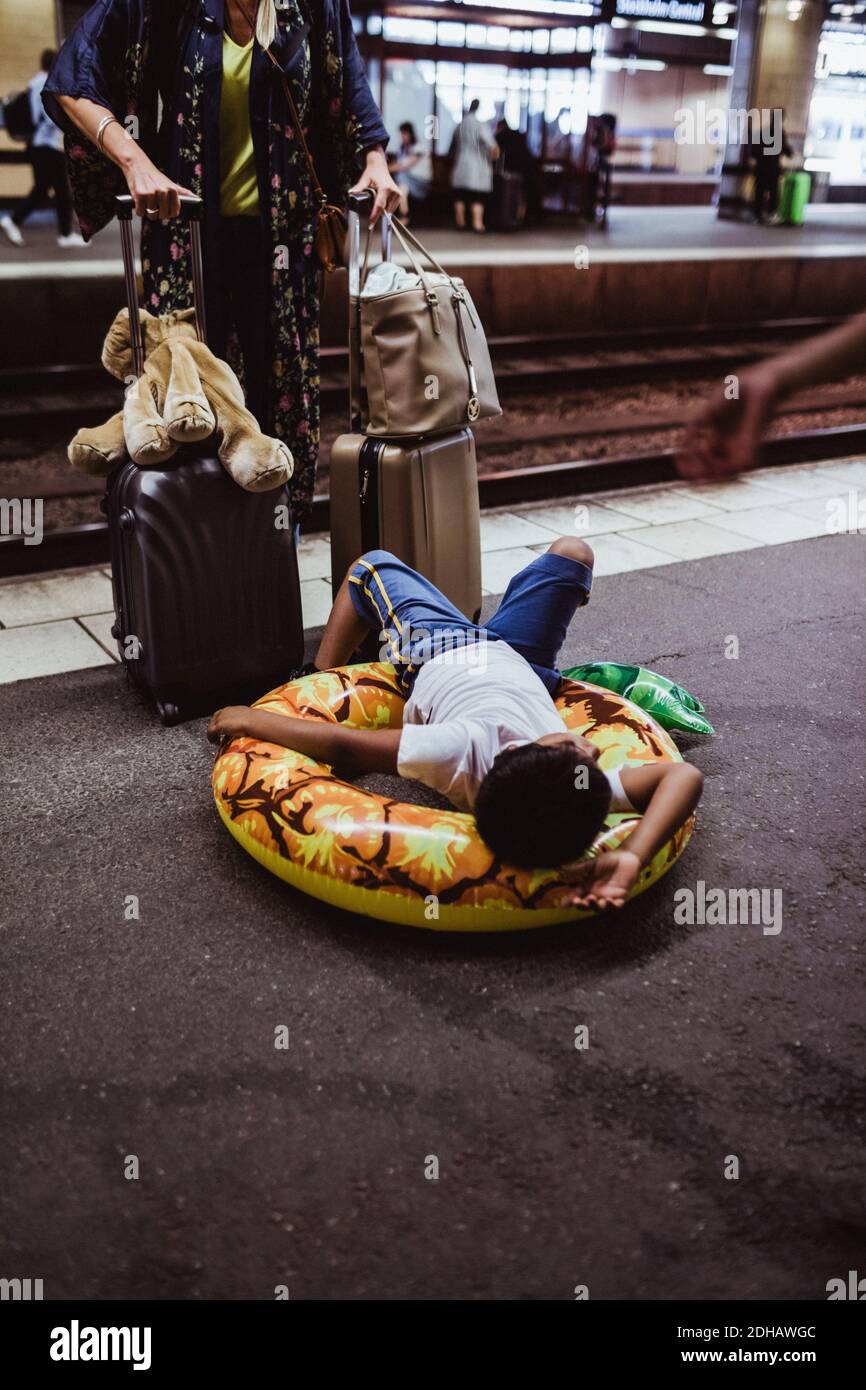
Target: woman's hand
[605,881]
[377,176]
[231,722]
[154,194]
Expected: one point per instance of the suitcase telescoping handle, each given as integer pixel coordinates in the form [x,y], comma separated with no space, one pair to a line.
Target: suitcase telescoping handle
[192,209]
[360,206]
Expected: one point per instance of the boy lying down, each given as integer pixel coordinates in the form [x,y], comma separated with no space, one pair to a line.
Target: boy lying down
[480,725]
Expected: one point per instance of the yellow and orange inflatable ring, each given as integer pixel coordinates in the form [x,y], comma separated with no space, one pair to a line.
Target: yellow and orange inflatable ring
[400,862]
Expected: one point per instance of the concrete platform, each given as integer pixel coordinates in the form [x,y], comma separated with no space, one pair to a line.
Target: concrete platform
[62,622]
[604,1167]
[652,268]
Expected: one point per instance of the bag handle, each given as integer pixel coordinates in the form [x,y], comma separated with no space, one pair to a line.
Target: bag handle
[410,243]
[192,208]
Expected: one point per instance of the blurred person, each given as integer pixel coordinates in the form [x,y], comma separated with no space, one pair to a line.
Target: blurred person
[45,152]
[474,152]
[212,119]
[412,170]
[593,165]
[604,141]
[517,158]
[480,725]
[766,154]
[725,436]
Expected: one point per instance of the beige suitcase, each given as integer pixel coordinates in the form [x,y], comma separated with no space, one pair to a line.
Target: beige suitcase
[416,498]
[419,501]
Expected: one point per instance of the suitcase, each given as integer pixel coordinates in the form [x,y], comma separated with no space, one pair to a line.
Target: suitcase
[205,575]
[794,197]
[416,498]
[506,201]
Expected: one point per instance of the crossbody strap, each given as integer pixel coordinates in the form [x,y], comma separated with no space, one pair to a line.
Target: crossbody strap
[321,195]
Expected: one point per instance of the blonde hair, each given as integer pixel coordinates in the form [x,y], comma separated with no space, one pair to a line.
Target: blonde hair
[266,23]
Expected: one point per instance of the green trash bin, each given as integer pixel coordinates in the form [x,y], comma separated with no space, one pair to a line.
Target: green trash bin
[796,187]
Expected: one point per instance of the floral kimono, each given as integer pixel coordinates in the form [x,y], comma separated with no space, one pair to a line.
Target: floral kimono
[157,65]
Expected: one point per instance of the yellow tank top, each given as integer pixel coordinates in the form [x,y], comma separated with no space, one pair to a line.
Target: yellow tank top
[239,192]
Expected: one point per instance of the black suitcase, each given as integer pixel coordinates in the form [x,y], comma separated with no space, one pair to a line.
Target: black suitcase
[506,201]
[205,575]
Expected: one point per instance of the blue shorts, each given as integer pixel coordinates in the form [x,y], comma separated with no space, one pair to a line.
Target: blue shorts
[417,621]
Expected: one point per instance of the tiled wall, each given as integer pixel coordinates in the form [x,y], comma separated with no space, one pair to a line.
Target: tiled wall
[26,27]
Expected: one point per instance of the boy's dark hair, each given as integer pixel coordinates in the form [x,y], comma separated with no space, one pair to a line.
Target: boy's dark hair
[533,809]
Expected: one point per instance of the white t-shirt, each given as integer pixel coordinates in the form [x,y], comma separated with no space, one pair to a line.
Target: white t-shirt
[469,705]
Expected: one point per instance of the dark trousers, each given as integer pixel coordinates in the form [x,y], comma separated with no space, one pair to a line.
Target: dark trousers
[49,171]
[766,190]
[245,306]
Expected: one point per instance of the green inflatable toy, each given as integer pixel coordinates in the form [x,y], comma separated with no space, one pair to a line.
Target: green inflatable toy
[673,707]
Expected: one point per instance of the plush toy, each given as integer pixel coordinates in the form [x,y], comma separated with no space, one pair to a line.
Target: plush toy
[183,396]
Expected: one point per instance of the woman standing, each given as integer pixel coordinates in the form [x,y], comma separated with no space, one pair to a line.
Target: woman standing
[474,152]
[180,96]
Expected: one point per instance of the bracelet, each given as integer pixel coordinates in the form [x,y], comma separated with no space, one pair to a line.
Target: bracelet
[101,129]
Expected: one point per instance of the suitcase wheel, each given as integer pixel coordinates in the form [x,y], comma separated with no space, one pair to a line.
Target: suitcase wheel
[168,713]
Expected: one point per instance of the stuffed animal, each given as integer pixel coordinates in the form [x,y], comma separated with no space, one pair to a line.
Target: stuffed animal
[183,396]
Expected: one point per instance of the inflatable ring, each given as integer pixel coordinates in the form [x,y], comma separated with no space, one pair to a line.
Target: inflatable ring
[400,862]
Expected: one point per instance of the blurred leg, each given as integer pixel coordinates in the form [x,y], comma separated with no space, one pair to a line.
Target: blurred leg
[344,631]
[38,192]
[62,194]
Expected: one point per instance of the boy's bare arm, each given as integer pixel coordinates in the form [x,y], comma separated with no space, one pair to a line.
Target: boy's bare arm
[666,793]
[352,750]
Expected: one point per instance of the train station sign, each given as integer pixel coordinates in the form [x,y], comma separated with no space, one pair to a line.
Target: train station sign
[671,11]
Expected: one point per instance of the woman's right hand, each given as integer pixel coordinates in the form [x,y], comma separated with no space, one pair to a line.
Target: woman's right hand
[154,194]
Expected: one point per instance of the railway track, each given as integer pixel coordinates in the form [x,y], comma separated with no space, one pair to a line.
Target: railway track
[87,544]
[73,395]
[534,367]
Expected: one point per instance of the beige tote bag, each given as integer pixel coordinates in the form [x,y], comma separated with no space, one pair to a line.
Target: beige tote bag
[425,358]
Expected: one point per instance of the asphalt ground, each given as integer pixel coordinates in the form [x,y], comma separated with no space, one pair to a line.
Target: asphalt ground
[603,1167]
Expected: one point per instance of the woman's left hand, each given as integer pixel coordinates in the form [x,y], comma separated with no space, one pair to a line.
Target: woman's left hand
[376,175]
